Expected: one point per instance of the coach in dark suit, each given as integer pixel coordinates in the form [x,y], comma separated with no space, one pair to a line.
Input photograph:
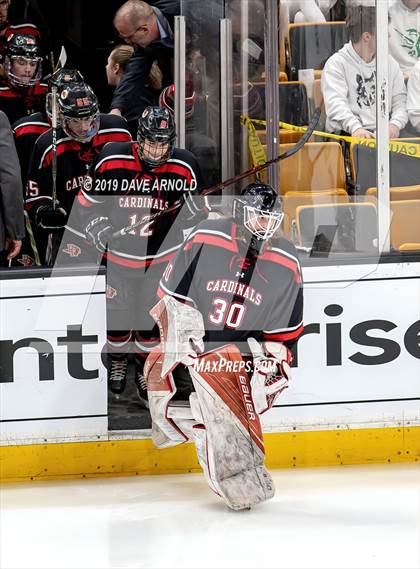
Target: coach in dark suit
[149,28]
[11,196]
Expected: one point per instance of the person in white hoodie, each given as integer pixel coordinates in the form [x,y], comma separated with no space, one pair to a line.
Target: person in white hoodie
[413,97]
[349,82]
[404,33]
[308,10]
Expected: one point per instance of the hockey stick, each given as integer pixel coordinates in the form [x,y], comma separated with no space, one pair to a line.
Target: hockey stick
[60,63]
[213,189]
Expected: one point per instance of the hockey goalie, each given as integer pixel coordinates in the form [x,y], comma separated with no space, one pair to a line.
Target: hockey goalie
[230,310]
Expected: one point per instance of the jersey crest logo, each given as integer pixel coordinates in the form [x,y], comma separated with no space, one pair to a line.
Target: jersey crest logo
[72,250]
[26,261]
[242,263]
[111,292]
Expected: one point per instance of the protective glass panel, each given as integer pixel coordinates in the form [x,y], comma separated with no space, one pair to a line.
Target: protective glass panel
[202,128]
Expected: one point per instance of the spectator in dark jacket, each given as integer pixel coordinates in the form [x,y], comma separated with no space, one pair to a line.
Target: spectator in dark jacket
[11,195]
[149,28]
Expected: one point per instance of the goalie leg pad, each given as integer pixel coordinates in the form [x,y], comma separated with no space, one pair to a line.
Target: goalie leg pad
[169,428]
[181,331]
[229,442]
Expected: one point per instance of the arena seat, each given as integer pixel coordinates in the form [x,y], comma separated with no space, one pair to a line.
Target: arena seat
[406,247]
[405,222]
[316,167]
[353,226]
[285,136]
[293,102]
[292,200]
[404,169]
[310,45]
[398,193]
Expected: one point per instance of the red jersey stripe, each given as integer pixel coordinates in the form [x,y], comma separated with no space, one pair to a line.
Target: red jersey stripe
[210,240]
[284,261]
[131,263]
[30,129]
[114,164]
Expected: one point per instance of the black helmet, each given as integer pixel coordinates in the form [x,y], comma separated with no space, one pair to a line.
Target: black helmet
[63,76]
[259,210]
[77,101]
[23,48]
[58,80]
[156,125]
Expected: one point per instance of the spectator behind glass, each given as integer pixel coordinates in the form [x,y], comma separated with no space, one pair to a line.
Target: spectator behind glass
[115,68]
[150,30]
[11,196]
[349,82]
[413,97]
[308,10]
[404,33]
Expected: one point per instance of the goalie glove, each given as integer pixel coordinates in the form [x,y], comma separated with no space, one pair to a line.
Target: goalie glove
[271,372]
[49,218]
[100,231]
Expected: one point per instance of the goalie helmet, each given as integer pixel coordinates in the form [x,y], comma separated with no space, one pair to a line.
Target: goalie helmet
[78,111]
[167,99]
[58,80]
[156,136]
[23,60]
[259,210]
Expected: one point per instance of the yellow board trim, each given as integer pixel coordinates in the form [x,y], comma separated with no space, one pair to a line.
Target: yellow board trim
[135,457]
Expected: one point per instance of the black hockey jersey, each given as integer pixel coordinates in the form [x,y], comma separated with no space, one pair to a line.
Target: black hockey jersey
[122,188]
[18,103]
[73,161]
[26,132]
[240,295]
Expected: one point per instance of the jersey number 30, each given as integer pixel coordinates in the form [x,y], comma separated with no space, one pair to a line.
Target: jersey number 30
[231,315]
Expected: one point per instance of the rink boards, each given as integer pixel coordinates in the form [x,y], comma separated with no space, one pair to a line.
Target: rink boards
[354,397]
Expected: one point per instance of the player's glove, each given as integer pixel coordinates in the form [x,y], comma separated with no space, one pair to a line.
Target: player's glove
[194,207]
[100,231]
[271,372]
[49,218]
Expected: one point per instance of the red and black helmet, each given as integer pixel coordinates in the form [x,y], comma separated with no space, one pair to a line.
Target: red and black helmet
[157,126]
[78,102]
[167,99]
[23,49]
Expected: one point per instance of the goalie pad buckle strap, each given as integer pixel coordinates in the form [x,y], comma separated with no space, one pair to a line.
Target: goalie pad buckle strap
[169,426]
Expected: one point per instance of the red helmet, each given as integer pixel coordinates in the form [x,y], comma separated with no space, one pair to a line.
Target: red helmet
[167,99]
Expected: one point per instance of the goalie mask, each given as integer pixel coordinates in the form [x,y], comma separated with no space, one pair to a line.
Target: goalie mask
[78,111]
[259,210]
[23,60]
[156,136]
[59,80]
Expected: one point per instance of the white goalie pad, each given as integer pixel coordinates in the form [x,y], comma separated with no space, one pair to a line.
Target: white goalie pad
[171,421]
[228,434]
[271,373]
[181,330]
